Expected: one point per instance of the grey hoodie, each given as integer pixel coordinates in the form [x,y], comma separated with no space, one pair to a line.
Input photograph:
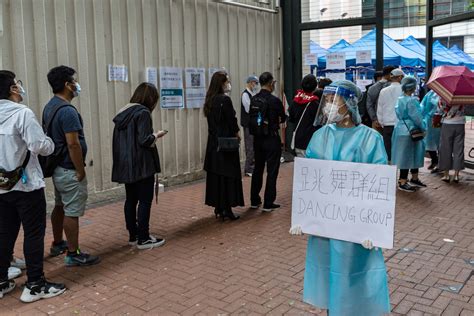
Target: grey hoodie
[19,132]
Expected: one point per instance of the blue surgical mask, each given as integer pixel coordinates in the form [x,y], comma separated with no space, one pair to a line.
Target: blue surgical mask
[78,90]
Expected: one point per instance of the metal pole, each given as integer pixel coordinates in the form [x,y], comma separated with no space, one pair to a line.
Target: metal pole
[379,34]
[429,38]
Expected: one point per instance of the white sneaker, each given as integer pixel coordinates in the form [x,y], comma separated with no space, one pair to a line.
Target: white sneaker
[18,263]
[40,289]
[150,243]
[13,273]
[6,287]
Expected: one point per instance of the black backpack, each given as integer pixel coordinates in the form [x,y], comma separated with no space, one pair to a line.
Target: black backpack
[258,116]
[49,163]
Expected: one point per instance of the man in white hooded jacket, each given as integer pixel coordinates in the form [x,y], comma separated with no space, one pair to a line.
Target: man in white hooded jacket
[22,199]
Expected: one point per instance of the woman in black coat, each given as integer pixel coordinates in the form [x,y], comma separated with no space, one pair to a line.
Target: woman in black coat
[224,178]
[136,162]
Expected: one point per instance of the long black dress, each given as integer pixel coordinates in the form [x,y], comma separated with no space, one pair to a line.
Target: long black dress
[224,178]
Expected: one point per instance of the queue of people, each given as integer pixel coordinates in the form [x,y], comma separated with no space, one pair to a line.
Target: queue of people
[58,149]
[402,130]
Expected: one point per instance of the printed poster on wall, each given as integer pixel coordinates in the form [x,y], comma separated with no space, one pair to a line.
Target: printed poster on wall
[213,70]
[117,73]
[344,200]
[336,61]
[195,87]
[151,75]
[363,57]
[171,88]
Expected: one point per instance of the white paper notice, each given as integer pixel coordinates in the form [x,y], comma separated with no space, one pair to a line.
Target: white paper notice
[311,59]
[335,76]
[151,75]
[117,73]
[195,87]
[363,83]
[343,200]
[171,88]
[336,61]
[363,57]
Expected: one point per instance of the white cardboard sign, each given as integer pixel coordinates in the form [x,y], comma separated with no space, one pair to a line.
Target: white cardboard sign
[335,76]
[336,61]
[363,57]
[311,59]
[343,200]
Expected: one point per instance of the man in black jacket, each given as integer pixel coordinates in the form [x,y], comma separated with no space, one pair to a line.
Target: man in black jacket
[302,114]
[267,148]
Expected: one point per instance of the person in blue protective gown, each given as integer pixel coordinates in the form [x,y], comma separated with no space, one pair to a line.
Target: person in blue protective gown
[430,109]
[408,155]
[343,277]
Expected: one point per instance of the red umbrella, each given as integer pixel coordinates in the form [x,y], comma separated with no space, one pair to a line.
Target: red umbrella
[455,84]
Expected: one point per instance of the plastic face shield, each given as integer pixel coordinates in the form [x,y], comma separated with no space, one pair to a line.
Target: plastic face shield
[332,101]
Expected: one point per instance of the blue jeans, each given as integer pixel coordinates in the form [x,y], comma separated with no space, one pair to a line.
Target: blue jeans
[138,220]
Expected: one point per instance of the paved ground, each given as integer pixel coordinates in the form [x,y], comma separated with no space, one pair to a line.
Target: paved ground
[253,266]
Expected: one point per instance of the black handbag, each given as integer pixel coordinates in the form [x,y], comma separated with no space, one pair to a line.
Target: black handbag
[227,144]
[415,134]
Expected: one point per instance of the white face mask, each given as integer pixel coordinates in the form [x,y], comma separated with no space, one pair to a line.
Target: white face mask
[333,115]
[227,88]
[78,90]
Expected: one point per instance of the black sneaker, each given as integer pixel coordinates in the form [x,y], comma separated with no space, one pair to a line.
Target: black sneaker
[6,287]
[417,183]
[58,249]
[406,187]
[270,208]
[150,243]
[35,291]
[132,241]
[80,259]
[255,206]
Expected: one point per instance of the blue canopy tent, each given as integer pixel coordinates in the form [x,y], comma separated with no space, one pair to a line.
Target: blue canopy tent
[315,48]
[394,53]
[469,61]
[338,46]
[439,56]
[441,50]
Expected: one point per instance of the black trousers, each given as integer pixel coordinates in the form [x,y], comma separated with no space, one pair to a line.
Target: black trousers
[404,173]
[387,133]
[27,209]
[267,151]
[434,156]
[138,220]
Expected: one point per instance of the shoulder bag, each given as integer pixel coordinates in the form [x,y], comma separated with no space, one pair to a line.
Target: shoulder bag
[298,125]
[49,163]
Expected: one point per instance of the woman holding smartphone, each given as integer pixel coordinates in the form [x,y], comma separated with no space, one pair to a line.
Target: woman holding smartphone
[136,162]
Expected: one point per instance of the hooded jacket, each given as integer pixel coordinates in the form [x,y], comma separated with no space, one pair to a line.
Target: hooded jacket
[20,132]
[306,128]
[134,152]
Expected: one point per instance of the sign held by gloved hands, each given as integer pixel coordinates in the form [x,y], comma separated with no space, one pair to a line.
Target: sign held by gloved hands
[343,200]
